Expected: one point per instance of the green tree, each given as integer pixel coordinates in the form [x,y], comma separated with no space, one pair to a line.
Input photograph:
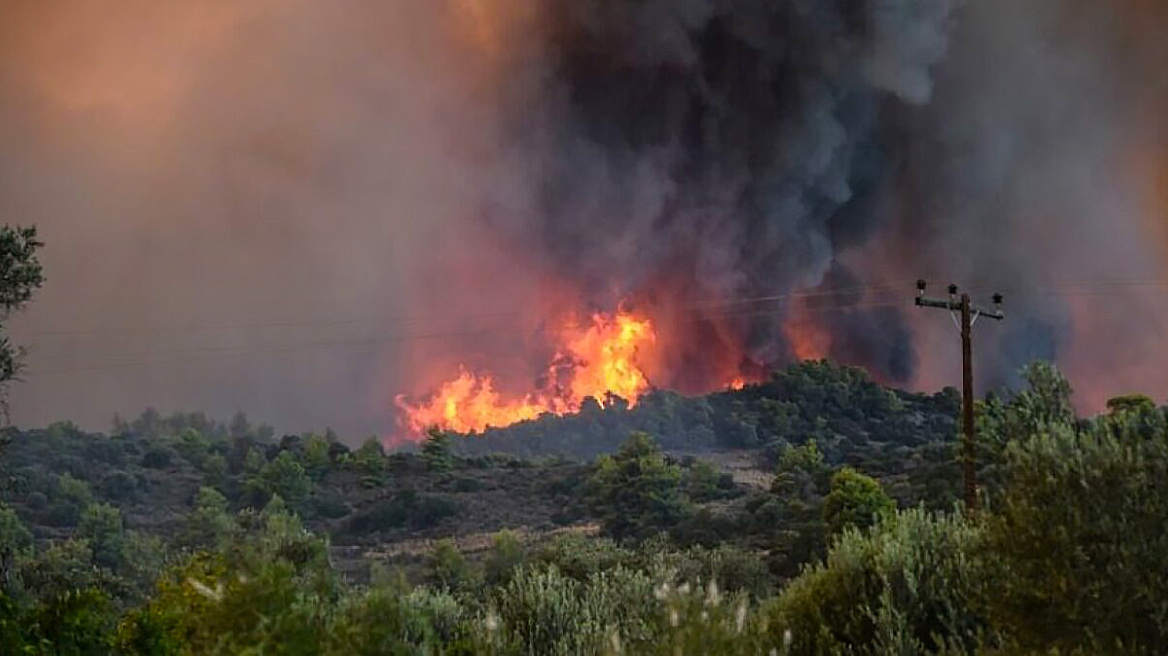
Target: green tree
[215,469]
[62,567]
[1130,403]
[74,491]
[703,482]
[76,621]
[369,460]
[194,446]
[1046,402]
[72,496]
[855,500]
[20,275]
[101,526]
[15,541]
[637,492]
[285,476]
[436,451]
[254,461]
[796,511]
[209,522]
[13,534]
[317,461]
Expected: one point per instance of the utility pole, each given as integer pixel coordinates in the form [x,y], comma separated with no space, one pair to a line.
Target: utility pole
[969,314]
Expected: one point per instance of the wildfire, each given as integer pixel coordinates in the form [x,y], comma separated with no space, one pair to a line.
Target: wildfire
[604,357]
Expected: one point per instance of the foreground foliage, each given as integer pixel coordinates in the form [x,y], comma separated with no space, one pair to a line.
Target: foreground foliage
[1066,558]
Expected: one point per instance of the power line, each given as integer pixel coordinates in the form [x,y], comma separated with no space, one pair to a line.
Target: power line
[685,306]
[737,309]
[196,355]
[1069,286]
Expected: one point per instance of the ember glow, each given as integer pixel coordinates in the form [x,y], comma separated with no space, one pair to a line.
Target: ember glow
[602,358]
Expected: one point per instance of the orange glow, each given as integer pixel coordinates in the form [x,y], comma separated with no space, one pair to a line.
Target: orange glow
[599,359]
[489,27]
[737,384]
[808,341]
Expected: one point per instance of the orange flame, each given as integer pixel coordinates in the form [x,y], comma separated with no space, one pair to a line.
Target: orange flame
[604,358]
[608,358]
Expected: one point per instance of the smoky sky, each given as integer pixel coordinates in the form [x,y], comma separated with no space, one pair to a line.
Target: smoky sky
[299,210]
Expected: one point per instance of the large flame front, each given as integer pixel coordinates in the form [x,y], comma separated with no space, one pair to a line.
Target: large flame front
[603,358]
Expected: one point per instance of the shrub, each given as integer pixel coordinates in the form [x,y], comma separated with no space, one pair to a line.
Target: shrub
[855,500]
[119,486]
[158,457]
[908,586]
[578,556]
[407,508]
[702,482]
[1078,539]
[542,609]
[447,568]
[384,620]
[506,555]
[328,504]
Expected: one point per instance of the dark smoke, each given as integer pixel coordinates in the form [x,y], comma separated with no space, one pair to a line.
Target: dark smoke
[738,144]
[760,147]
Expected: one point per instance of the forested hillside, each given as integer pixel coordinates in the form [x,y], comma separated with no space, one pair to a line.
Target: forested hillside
[849,415]
[183,535]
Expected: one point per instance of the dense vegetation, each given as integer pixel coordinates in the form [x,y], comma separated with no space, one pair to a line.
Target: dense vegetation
[182,535]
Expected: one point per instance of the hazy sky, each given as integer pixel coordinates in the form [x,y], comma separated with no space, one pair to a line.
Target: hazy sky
[277,205]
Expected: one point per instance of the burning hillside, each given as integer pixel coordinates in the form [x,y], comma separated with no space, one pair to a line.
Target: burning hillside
[601,358]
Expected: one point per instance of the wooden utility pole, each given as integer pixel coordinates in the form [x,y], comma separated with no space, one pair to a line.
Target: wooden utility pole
[969,315]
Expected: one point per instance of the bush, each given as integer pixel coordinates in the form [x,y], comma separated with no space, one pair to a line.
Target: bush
[119,486]
[506,555]
[328,504]
[855,501]
[407,508]
[578,556]
[1078,539]
[702,482]
[908,586]
[541,606]
[382,621]
[158,457]
[447,568]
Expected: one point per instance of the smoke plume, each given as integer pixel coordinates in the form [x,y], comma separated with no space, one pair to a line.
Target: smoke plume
[301,209]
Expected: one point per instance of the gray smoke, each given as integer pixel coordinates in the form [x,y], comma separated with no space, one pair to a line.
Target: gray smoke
[735,144]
